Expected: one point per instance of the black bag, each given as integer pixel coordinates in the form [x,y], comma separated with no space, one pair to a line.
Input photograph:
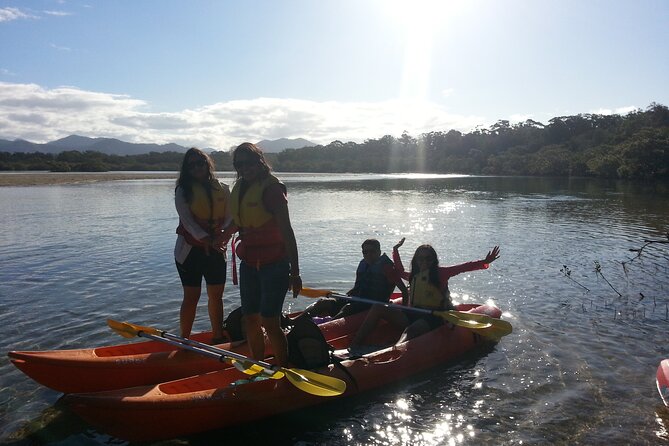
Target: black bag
[307,347]
[234,325]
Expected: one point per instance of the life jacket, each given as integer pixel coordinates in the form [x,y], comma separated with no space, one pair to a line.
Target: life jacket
[208,209]
[424,294]
[260,238]
[371,281]
[307,347]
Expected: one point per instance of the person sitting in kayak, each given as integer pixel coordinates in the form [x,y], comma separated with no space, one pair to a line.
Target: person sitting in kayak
[428,288]
[375,278]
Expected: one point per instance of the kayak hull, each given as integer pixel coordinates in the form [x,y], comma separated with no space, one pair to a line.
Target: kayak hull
[118,366]
[662,380]
[224,398]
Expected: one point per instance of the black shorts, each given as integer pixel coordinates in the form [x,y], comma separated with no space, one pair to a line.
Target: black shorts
[198,264]
[432,320]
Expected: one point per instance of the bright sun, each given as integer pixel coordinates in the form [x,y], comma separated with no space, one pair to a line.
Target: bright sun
[419,20]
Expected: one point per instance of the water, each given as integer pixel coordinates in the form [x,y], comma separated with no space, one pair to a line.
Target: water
[578,369]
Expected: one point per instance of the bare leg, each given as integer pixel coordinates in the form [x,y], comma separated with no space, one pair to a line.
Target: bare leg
[215,306]
[188,308]
[416,329]
[277,339]
[376,313]
[255,336]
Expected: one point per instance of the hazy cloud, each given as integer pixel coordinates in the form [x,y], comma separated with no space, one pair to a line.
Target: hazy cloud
[57,13]
[60,48]
[519,117]
[6,72]
[39,114]
[9,13]
[447,92]
[616,111]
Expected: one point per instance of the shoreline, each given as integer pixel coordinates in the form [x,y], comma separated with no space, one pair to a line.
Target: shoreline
[56,178]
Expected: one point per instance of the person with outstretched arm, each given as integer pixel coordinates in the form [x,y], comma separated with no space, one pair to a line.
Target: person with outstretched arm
[428,288]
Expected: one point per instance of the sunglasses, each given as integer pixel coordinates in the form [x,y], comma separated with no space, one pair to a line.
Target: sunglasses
[238,165]
[197,163]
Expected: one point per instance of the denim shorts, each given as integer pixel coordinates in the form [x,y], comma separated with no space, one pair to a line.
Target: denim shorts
[264,289]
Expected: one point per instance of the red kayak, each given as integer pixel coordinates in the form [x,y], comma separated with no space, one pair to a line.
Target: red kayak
[662,379]
[118,366]
[227,397]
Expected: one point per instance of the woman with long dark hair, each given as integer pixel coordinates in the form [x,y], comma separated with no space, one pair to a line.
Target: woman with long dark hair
[428,288]
[267,248]
[203,205]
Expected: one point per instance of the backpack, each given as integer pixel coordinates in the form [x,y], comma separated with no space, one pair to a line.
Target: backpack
[234,325]
[307,347]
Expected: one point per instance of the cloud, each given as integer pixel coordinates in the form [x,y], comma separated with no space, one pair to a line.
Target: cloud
[9,14]
[60,48]
[520,117]
[57,13]
[40,114]
[447,92]
[6,72]
[616,111]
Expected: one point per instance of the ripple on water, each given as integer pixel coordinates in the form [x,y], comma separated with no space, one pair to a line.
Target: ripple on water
[578,368]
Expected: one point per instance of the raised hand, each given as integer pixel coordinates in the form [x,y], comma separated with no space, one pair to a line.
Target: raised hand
[492,255]
[399,244]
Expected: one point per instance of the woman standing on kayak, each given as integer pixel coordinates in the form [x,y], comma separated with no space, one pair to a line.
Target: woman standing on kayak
[428,288]
[203,205]
[267,248]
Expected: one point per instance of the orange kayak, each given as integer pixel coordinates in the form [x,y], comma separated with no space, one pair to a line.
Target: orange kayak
[118,366]
[227,397]
[115,367]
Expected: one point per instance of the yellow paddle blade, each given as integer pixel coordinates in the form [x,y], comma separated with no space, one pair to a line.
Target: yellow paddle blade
[499,329]
[253,369]
[314,293]
[315,383]
[456,318]
[128,330]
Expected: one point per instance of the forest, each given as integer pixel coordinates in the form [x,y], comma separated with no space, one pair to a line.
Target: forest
[631,146]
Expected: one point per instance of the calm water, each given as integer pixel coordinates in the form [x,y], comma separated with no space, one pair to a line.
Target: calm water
[578,369]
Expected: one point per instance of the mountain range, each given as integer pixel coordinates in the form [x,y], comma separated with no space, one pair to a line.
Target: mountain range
[113,146]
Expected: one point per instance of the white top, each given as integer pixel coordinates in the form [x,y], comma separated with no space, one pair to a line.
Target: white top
[182,247]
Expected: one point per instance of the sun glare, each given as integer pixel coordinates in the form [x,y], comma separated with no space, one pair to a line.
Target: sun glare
[419,20]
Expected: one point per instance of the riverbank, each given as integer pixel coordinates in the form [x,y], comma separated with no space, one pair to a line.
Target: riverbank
[50,178]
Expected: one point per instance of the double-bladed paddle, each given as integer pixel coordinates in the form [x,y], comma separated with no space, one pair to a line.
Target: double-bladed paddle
[480,323]
[305,380]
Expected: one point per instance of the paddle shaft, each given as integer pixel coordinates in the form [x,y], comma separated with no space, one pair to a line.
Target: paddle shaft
[205,349]
[183,346]
[383,304]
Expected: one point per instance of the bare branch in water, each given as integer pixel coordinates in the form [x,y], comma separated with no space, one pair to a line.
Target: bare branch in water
[598,271]
[639,251]
[567,273]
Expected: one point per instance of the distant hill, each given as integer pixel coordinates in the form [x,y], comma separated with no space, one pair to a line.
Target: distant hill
[278,145]
[109,146]
[112,146]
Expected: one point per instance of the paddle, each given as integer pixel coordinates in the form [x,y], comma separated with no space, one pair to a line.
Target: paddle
[480,323]
[305,380]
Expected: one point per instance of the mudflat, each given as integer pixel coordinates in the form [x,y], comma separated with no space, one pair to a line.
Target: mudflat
[48,178]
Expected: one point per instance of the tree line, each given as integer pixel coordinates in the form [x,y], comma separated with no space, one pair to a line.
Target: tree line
[633,146]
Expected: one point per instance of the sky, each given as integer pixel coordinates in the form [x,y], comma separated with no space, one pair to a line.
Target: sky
[217,73]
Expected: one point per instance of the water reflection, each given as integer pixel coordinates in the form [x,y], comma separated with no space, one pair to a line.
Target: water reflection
[577,369]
